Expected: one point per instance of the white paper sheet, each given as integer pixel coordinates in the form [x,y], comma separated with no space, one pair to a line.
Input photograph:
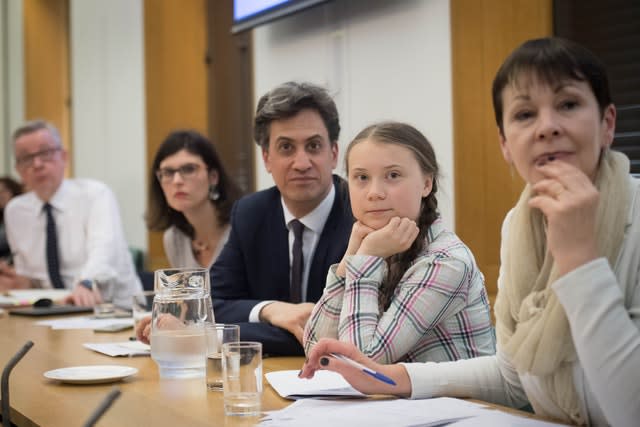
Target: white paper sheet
[323,384]
[372,413]
[499,419]
[124,348]
[84,322]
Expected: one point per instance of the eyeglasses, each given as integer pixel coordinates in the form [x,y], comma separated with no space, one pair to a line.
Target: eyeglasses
[187,171]
[45,155]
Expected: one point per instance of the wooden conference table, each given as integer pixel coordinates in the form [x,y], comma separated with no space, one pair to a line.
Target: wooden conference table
[145,400]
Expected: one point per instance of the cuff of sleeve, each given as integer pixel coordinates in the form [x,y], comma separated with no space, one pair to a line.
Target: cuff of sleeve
[590,276]
[333,280]
[372,267]
[254,314]
[421,389]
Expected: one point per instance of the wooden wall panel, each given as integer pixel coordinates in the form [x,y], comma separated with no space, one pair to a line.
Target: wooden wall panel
[484,32]
[231,94]
[46,56]
[176,80]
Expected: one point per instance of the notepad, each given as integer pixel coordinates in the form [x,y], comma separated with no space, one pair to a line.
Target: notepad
[324,384]
[124,348]
[20,297]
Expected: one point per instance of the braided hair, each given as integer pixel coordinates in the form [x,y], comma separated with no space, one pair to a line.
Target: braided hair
[409,137]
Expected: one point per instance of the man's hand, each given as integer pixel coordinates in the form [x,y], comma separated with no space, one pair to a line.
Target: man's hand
[82,296]
[10,280]
[292,317]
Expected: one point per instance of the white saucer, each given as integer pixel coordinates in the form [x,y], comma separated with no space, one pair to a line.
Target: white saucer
[93,374]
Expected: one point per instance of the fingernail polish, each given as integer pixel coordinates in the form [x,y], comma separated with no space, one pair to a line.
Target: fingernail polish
[299,373]
[324,361]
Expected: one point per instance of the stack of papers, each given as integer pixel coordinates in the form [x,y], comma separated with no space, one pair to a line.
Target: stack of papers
[327,411]
[372,413]
[324,384]
[395,412]
[85,322]
[124,348]
[497,418]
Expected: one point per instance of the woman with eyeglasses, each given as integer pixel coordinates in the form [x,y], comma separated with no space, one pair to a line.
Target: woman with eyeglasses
[190,199]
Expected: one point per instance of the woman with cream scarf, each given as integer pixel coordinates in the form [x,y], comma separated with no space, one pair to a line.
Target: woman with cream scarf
[568,306]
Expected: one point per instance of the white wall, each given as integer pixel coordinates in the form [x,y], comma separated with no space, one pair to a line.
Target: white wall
[11,79]
[108,107]
[382,60]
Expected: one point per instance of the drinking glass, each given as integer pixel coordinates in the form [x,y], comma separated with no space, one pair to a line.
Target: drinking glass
[178,341]
[141,306]
[218,334]
[242,377]
[103,291]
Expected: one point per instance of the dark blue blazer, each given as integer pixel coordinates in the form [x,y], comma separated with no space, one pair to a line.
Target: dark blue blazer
[254,264]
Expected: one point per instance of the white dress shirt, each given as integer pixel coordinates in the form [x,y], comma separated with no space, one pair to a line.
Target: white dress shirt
[313,223]
[91,242]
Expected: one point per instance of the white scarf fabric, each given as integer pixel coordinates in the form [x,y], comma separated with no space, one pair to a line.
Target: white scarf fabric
[532,328]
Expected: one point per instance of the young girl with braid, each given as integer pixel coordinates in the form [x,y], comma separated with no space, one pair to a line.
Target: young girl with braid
[407,289]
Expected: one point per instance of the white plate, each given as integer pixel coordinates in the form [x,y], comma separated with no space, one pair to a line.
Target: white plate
[93,374]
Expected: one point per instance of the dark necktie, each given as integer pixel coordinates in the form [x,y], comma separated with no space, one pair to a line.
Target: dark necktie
[53,260]
[297,265]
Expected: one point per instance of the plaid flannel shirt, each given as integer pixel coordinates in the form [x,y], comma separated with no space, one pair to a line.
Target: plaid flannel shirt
[439,311]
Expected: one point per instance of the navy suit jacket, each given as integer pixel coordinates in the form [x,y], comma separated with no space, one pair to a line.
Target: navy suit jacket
[254,263]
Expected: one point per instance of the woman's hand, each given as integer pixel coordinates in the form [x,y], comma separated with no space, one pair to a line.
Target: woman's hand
[394,238]
[320,358]
[143,330]
[569,200]
[358,232]
[164,321]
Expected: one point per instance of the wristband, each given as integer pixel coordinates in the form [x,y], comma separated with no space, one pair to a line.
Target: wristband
[87,283]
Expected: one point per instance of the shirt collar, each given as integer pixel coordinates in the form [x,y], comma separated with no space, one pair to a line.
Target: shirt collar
[316,219]
[58,200]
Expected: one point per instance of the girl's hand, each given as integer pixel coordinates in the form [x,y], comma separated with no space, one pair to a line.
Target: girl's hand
[569,200]
[320,358]
[358,232]
[394,238]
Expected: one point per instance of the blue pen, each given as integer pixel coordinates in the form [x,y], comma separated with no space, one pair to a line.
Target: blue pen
[368,371]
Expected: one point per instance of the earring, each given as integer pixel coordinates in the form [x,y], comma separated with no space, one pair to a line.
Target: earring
[214,194]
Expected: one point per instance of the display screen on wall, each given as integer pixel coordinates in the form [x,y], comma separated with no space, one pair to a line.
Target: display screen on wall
[248,14]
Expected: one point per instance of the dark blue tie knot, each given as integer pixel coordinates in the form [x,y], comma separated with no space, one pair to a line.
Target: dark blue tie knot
[297,228]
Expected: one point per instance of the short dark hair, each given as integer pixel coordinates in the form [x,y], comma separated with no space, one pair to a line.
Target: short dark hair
[552,60]
[407,136]
[287,100]
[36,125]
[160,215]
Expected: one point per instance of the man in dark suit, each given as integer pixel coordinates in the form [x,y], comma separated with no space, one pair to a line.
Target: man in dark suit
[260,280]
